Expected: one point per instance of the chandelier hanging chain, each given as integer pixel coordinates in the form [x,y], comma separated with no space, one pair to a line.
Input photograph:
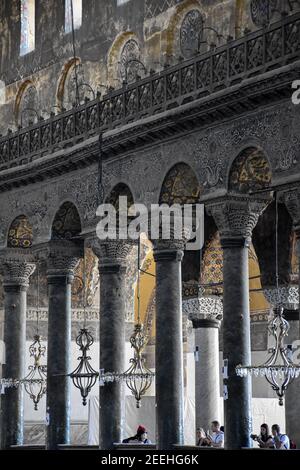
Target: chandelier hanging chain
[38,298]
[139,281]
[84,289]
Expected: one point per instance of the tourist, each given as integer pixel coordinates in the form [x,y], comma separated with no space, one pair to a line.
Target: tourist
[141,437]
[217,437]
[202,440]
[281,441]
[265,440]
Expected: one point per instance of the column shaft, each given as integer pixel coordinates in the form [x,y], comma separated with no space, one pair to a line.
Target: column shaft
[207,375]
[58,360]
[236,341]
[16,274]
[112,353]
[169,349]
[15,346]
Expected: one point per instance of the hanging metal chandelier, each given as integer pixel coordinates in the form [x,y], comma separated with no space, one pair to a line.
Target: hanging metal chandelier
[84,376]
[138,377]
[35,383]
[279,369]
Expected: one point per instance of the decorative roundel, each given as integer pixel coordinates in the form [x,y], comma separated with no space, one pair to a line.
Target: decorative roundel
[262,11]
[191,33]
[130,61]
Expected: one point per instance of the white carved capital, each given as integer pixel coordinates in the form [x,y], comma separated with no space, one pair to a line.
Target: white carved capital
[285,296]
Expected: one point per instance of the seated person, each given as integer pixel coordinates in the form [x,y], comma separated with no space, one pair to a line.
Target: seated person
[217,437]
[264,440]
[139,438]
[281,441]
[202,440]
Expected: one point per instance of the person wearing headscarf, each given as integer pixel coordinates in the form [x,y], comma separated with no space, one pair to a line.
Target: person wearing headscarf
[141,437]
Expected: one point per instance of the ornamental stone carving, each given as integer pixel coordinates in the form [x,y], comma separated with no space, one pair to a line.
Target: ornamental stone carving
[285,296]
[16,269]
[111,251]
[62,257]
[235,216]
[203,308]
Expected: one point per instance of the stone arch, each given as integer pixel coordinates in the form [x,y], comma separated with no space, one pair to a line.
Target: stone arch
[125,47]
[172,35]
[26,100]
[65,94]
[180,186]
[66,223]
[20,233]
[250,171]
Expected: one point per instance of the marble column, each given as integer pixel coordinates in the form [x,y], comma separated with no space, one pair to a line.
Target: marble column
[112,268]
[169,344]
[62,261]
[16,274]
[235,218]
[205,313]
[292,403]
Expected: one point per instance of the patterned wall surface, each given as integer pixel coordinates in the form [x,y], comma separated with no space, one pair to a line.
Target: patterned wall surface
[66,223]
[180,186]
[250,171]
[20,233]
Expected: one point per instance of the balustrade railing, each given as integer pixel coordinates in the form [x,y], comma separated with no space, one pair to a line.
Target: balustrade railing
[204,74]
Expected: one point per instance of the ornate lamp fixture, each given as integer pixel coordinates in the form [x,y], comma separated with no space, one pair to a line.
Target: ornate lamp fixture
[84,376]
[35,382]
[138,377]
[279,369]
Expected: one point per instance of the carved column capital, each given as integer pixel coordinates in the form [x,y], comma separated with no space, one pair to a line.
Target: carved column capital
[236,217]
[112,252]
[171,247]
[285,296]
[16,268]
[62,257]
[204,311]
[292,201]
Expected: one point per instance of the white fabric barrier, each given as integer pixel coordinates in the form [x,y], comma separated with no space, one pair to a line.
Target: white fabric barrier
[135,416]
[264,410]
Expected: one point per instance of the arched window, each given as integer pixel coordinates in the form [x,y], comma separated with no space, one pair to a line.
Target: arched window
[27,26]
[77,14]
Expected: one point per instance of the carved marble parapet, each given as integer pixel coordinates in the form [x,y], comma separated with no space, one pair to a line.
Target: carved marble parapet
[285,296]
[112,252]
[237,216]
[16,267]
[203,308]
[292,201]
